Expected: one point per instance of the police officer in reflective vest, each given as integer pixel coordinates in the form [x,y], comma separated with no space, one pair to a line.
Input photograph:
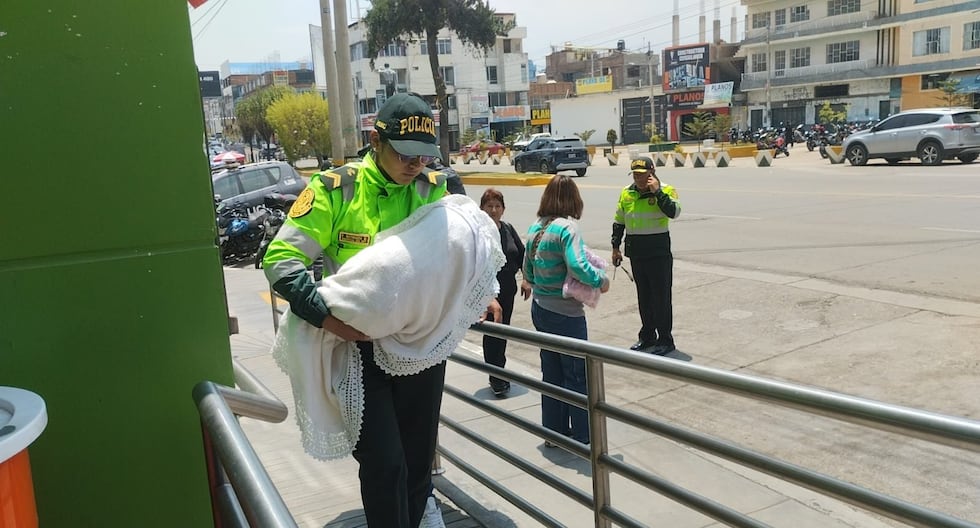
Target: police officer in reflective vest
[337,215]
[643,213]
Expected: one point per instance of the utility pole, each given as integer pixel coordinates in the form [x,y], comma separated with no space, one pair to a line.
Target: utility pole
[351,121]
[653,104]
[768,118]
[333,86]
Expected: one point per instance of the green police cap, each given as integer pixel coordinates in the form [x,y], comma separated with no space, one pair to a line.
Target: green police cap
[405,120]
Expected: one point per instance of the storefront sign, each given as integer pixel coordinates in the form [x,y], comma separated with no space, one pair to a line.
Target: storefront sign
[511,113]
[718,94]
[680,100]
[540,116]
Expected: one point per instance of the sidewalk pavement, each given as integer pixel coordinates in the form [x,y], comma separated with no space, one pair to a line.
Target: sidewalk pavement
[320,494]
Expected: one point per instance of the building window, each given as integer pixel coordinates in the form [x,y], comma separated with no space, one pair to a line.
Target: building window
[507,45]
[443,47]
[842,7]
[844,51]
[450,102]
[523,73]
[395,49]
[760,20]
[497,99]
[492,74]
[448,75]
[358,83]
[931,81]
[799,13]
[971,35]
[833,90]
[780,17]
[930,41]
[799,57]
[759,62]
[358,51]
[779,62]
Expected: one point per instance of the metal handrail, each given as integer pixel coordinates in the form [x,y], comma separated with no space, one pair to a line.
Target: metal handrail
[230,457]
[933,427]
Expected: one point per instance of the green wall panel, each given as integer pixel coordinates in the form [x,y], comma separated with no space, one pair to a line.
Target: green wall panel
[111,285]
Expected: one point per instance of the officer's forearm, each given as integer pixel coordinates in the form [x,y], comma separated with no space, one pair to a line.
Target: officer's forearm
[617,234]
[299,289]
[667,204]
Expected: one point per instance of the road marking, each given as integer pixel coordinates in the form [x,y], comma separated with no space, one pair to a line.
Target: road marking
[723,216]
[950,230]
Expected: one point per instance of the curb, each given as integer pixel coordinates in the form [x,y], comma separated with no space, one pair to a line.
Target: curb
[490,178]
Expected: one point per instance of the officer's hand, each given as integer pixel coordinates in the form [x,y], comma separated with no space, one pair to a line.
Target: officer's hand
[342,330]
[494,310]
[526,290]
[617,258]
[653,183]
[605,285]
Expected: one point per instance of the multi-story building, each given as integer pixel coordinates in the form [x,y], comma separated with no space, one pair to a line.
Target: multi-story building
[238,79]
[867,58]
[487,91]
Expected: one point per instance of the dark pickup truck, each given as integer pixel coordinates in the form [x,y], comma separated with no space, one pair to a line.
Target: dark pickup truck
[550,155]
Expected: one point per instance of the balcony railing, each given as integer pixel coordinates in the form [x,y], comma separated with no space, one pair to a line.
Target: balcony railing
[813,24]
[751,81]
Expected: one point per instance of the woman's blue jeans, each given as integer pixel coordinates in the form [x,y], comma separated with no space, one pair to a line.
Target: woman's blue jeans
[564,371]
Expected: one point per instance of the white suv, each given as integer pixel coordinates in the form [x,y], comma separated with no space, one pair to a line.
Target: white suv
[930,134]
[523,141]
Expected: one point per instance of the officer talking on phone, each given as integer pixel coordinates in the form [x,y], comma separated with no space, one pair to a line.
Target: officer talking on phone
[643,213]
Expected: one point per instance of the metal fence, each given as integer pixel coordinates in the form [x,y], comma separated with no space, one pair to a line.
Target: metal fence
[942,429]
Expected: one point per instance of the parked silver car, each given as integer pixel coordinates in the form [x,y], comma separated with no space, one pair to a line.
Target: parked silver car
[930,134]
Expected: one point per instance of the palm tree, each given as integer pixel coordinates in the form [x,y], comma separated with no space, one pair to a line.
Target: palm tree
[471,20]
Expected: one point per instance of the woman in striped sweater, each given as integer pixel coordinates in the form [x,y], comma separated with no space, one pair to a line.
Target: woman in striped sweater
[555,250]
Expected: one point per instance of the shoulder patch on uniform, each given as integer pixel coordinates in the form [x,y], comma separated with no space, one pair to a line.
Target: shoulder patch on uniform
[433,176]
[339,177]
[303,204]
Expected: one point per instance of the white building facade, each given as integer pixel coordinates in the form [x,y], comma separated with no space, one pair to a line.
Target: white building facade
[486,91]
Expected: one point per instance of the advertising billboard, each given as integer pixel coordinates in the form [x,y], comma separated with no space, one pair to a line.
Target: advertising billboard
[718,94]
[686,67]
[210,83]
[603,83]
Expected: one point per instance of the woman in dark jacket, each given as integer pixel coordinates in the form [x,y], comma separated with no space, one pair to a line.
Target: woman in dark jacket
[494,348]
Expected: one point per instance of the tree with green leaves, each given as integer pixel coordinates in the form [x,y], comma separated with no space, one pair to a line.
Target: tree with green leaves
[950,95]
[585,135]
[611,137]
[472,21]
[250,112]
[301,123]
[827,114]
[702,124]
[722,125]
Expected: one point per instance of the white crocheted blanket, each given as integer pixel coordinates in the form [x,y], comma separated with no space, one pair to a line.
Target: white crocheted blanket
[415,292]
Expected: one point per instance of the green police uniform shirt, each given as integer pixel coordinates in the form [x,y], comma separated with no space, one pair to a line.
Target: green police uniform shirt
[337,215]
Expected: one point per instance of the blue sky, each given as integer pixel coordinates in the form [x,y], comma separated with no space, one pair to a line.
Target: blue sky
[263,30]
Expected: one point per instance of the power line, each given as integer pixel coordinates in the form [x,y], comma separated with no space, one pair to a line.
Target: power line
[215,15]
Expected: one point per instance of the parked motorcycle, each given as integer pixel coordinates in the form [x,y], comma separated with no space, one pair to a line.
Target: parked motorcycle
[276,205]
[239,232]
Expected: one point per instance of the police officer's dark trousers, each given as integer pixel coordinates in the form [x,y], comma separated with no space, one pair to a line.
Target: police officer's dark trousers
[654,278]
[397,442]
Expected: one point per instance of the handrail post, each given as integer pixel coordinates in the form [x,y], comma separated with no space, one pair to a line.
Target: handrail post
[598,439]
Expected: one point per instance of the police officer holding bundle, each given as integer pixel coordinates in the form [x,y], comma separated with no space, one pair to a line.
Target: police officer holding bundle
[642,214]
[338,215]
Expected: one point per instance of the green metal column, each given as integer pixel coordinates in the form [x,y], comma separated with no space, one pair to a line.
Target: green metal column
[110,284]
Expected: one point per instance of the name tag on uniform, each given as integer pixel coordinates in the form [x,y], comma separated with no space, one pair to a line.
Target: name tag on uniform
[355,238]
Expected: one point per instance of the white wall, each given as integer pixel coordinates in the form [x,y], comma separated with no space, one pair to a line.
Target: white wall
[592,111]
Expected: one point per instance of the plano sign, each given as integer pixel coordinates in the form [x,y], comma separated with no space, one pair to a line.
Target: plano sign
[682,100]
